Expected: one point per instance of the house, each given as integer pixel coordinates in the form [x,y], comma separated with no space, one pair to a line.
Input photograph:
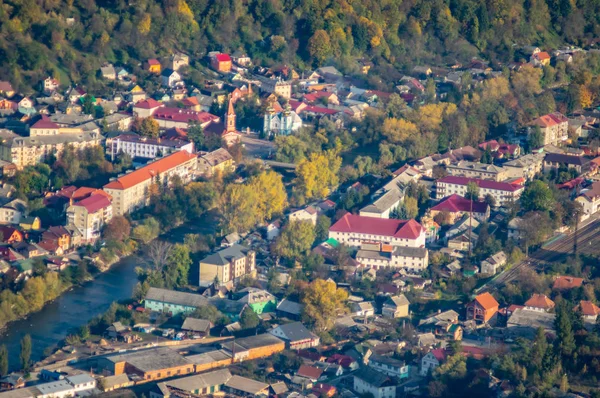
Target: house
[555,161]
[173,302]
[241,58]
[13,211]
[389,366]
[411,259]
[541,58]
[221,63]
[491,264]
[362,309]
[483,308]
[310,372]
[502,192]
[324,390]
[198,327]
[353,231]
[12,381]
[131,191]
[200,384]
[478,170]
[395,307]
[219,160]
[539,302]
[153,66]
[296,336]
[179,60]
[228,266]
[111,383]
[273,229]
[279,87]
[590,200]
[567,283]
[11,234]
[170,78]
[30,223]
[6,89]
[108,72]
[443,325]
[252,347]
[383,206]
[114,330]
[527,166]
[309,214]
[239,386]
[289,309]
[260,301]
[50,84]
[553,126]
[457,206]
[432,360]
[377,384]
[588,310]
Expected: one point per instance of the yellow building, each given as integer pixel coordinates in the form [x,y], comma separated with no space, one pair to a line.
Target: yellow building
[216,161]
[89,215]
[132,191]
[228,265]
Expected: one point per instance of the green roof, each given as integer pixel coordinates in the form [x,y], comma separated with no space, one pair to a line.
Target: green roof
[332,242]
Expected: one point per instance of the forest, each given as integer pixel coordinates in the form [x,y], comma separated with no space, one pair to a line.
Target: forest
[71,39]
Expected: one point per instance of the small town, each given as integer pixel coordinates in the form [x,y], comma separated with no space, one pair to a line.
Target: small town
[217,224]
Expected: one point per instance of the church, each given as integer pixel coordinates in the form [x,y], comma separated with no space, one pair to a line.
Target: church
[284,122]
[226,129]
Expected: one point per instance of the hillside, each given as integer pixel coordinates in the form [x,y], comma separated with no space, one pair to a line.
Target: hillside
[71,39]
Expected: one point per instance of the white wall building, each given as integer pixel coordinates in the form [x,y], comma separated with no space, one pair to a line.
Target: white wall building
[503,192]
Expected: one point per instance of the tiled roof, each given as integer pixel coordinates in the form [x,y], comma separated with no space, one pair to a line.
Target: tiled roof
[439,354]
[153,61]
[150,171]
[223,57]
[147,104]
[44,123]
[94,203]
[310,372]
[567,159]
[567,282]
[455,203]
[549,120]
[540,301]
[486,301]
[500,186]
[184,115]
[404,229]
[587,308]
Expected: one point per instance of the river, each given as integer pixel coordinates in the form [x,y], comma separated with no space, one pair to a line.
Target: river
[71,310]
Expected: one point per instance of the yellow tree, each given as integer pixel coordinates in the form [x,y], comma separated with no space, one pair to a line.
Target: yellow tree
[323,302]
[586,97]
[145,24]
[272,199]
[318,174]
[238,207]
[398,130]
[432,115]
[319,46]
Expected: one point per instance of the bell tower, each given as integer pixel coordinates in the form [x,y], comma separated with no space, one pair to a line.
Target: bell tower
[230,118]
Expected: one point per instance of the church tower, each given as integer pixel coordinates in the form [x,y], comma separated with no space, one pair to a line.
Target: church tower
[286,120]
[268,120]
[230,118]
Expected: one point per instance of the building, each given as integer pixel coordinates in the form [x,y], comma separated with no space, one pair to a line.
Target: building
[539,302]
[525,322]
[182,118]
[132,191]
[289,309]
[554,128]
[227,266]
[296,336]
[226,130]
[555,161]
[201,384]
[216,161]
[527,166]
[284,122]
[248,348]
[411,259]
[370,381]
[239,386]
[541,58]
[353,231]
[502,192]
[362,309]
[457,206]
[389,366]
[170,78]
[199,327]
[567,283]
[384,205]
[491,264]
[309,214]
[395,307]
[258,300]
[588,310]
[478,170]
[50,84]
[432,360]
[153,66]
[29,151]
[146,108]
[590,200]
[88,216]
[143,147]
[280,88]
[173,302]
[221,63]
[13,211]
[149,364]
[179,60]
[483,309]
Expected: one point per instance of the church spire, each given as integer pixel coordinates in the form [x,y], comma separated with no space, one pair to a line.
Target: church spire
[230,117]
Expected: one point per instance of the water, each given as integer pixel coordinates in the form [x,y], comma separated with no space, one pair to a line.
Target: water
[71,310]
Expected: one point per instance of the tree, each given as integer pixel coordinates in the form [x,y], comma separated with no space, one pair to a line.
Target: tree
[210,313]
[249,319]
[472,191]
[178,266]
[117,229]
[537,196]
[565,338]
[273,281]
[196,135]
[322,228]
[238,206]
[536,138]
[536,226]
[490,200]
[147,127]
[25,355]
[317,175]
[3,360]
[411,207]
[273,197]
[295,240]
[319,46]
[323,302]
[158,253]
[586,97]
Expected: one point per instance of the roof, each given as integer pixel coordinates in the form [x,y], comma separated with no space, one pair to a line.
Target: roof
[439,354]
[81,378]
[172,143]
[486,301]
[184,115]
[116,380]
[290,307]
[224,257]
[549,120]
[253,295]
[246,385]
[487,184]
[201,381]
[587,308]
[532,319]
[540,301]
[151,359]
[397,301]
[94,203]
[223,57]
[567,159]
[44,123]
[542,55]
[567,282]
[374,378]
[296,331]
[148,104]
[217,156]
[175,297]
[252,342]
[196,325]
[456,203]
[310,372]
[151,170]
[153,61]
[404,229]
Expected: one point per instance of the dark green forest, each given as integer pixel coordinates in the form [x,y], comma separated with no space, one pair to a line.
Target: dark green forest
[71,39]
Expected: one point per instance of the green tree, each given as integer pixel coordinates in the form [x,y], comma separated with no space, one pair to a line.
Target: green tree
[565,338]
[212,314]
[472,191]
[319,46]
[25,355]
[273,282]
[249,319]
[536,138]
[322,228]
[178,266]
[3,360]
[295,240]
[537,196]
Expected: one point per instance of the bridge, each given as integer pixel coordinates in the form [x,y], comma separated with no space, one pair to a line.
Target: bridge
[281,165]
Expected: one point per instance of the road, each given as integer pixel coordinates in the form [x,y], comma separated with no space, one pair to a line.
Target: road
[256,148]
[588,242]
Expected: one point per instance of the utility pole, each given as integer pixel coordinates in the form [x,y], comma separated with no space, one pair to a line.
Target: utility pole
[470,224]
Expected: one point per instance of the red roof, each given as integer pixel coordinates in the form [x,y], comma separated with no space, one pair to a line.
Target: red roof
[320,109]
[223,57]
[456,203]
[184,115]
[587,308]
[94,203]
[551,119]
[45,123]
[312,97]
[567,282]
[405,229]
[540,301]
[148,104]
[86,192]
[309,372]
[492,145]
[486,301]
[342,360]
[542,55]
[150,171]
[153,61]
[501,186]
[572,184]
[439,354]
